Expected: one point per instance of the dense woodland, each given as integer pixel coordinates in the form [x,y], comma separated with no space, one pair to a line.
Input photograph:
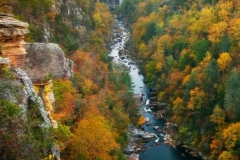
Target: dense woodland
[189,52]
[93,109]
[190,55]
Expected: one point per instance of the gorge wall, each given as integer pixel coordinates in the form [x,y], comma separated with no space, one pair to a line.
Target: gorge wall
[27,70]
[12,33]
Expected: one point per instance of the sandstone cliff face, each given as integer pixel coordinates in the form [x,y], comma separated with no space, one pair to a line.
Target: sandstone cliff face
[12,32]
[45,61]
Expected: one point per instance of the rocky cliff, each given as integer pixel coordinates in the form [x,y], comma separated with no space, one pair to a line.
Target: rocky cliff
[64,12]
[12,32]
[45,61]
[25,66]
[70,10]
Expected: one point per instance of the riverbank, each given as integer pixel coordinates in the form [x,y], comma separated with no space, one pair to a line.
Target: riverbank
[153,140]
[170,130]
[140,140]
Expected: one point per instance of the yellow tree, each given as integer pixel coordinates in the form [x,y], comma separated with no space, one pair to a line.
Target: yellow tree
[231,137]
[225,155]
[93,138]
[224,10]
[201,66]
[196,99]
[179,110]
[103,20]
[224,61]
[234,30]
[142,48]
[217,31]
[98,20]
[201,25]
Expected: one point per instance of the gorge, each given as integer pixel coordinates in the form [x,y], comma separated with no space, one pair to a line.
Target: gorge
[187,52]
[153,145]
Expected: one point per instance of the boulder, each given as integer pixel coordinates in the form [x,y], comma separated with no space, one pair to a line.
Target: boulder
[156,128]
[45,61]
[146,136]
[131,147]
[133,157]
[147,119]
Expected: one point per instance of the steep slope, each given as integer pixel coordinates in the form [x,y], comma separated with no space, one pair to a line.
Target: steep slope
[189,52]
[82,30]
[19,100]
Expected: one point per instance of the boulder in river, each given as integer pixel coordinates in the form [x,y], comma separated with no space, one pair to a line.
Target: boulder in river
[156,128]
[133,157]
[131,148]
[147,119]
[122,57]
[146,136]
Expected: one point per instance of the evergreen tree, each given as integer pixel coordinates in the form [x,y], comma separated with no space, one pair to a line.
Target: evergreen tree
[232,92]
[211,75]
[200,48]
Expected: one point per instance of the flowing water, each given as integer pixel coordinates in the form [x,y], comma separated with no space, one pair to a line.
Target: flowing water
[160,151]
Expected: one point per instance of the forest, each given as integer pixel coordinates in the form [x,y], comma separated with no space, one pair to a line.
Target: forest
[190,55]
[188,51]
[93,108]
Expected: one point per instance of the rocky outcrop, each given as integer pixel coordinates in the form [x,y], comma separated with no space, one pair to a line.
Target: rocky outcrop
[12,32]
[30,94]
[45,61]
[146,136]
[136,138]
[19,90]
[71,11]
[4,61]
[34,65]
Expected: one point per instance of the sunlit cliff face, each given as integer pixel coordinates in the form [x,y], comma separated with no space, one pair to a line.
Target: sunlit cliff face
[12,33]
[27,70]
[41,61]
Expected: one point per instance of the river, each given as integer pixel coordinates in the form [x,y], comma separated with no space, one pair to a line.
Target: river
[155,152]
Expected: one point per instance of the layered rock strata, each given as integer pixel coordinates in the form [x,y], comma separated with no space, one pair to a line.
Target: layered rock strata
[4,62]
[12,32]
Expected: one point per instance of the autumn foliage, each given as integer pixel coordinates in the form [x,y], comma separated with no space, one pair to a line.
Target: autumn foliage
[93,138]
[190,55]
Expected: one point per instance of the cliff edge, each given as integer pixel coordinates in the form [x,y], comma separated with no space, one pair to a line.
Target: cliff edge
[23,66]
